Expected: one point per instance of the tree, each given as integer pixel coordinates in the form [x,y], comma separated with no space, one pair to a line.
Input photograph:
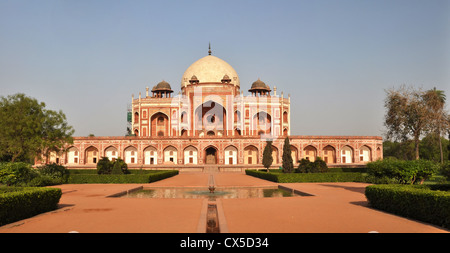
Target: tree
[320,165]
[406,116]
[288,165]
[448,146]
[28,130]
[119,167]
[435,100]
[104,166]
[400,150]
[430,148]
[267,155]
[305,166]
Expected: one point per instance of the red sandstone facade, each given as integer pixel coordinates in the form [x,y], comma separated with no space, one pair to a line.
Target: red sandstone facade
[212,124]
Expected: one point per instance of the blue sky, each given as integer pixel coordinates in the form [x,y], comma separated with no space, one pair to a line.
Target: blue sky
[335,58]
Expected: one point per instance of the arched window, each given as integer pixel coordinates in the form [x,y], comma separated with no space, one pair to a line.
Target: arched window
[250,155]
[310,153]
[130,154]
[160,121]
[150,155]
[231,155]
[364,154]
[72,155]
[329,154]
[170,155]
[346,154]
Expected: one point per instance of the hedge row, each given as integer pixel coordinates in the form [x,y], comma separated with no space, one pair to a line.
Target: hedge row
[18,203]
[120,179]
[94,171]
[308,177]
[416,202]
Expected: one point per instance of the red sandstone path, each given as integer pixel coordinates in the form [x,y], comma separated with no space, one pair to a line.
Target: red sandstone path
[334,208]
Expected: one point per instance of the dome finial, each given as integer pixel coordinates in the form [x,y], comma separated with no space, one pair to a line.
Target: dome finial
[209,51]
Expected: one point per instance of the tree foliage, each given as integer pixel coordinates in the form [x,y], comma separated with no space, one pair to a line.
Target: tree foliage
[429,149]
[411,113]
[439,118]
[404,172]
[105,166]
[28,130]
[306,166]
[288,165]
[267,155]
[119,167]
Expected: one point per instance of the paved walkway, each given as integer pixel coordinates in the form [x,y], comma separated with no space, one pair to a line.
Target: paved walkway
[334,208]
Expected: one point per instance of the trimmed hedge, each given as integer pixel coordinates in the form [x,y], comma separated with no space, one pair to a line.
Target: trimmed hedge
[356,169]
[18,203]
[416,202]
[120,179]
[308,177]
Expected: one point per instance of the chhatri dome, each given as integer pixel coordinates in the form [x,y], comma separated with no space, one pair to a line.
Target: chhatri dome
[210,69]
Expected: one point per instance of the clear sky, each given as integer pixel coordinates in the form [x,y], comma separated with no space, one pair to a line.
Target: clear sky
[335,58]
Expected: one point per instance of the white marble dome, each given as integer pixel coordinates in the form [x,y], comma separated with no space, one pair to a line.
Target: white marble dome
[210,69]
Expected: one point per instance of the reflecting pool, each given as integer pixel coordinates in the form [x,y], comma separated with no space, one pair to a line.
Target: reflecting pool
[203,192]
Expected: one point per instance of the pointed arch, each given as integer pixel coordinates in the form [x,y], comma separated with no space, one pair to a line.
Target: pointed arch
[329,154]
[150,155]
[347,154]
[251,155]
[159,122]
[365,154]
[190,155]
[294,154]
[262,121]
[111,152]
[275,154]
[130,155]
[170,155]
[211,154]
[91,155]
[310,153]
[211,117]
[231,153]
[73,155]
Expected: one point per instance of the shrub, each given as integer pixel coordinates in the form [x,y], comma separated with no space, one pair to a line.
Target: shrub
[18,203]
[345,169]
[45,180]
[320,165]
[104,166]
[308,177]
[412,201]
[306,166]
[121,179]
[404,172]
[119,167]
[445,169]
[16,173]
[54,171]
